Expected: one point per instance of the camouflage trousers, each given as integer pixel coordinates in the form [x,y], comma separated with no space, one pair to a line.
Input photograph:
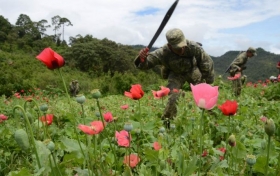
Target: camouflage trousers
[237,86]
[176,81]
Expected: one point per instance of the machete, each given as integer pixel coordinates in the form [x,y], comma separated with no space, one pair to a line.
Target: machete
[162,25]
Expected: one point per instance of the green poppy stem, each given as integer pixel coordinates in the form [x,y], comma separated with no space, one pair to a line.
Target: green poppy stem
[30,132]
[106,136]
[75,120]
[267,157]
[201,140]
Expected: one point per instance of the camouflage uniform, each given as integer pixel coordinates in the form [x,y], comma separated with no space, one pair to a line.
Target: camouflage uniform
[237,66]
[74,88]
[193,66]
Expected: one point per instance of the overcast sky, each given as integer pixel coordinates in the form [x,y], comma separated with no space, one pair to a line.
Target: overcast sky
[220,25]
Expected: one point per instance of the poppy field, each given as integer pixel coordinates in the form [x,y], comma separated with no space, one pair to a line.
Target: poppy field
[214,132]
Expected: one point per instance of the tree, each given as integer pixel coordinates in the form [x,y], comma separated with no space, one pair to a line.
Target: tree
[42,26]
[55,23]
[63,22]
[5,27]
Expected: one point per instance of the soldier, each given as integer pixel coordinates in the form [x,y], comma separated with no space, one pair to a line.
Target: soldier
[74,88]
[182,61]
[237,67]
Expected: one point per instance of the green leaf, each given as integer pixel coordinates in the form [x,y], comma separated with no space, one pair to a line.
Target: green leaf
[260,164]
[191,167]
[22,172]
[72,145]
[239,150]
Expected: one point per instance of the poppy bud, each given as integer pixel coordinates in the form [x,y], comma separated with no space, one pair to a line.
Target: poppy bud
[51,146]
[128,127]
[251,160]
[232,140]
[96,93]
[269,127]
[80,99]
[242,138]
[44,107]
[97,114]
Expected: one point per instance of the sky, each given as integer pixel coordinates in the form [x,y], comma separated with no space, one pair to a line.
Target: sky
[220,25]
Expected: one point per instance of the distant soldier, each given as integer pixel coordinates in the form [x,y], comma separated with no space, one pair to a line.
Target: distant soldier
[74,88]
[182,61]
[237,66]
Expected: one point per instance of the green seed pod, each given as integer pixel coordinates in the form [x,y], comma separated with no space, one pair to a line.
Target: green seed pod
[22,139]
[269,127]
[251,160]
[51,146]
[162,130]
[162,164]
[128,127]
[96,93]
[44,107]
[80,99]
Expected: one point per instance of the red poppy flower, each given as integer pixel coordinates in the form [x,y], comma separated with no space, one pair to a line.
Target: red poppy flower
[135,93]
[51,59]
[229,107]
[48,119]
[108,117]
[95,128]
[205,153]
[3,117]
[157,146]
[224,151]
[161,93]
[123,138]
[132,160]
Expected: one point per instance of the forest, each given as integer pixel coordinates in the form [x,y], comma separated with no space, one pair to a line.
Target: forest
[88,59]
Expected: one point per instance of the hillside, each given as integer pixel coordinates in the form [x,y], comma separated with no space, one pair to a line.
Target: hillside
[259,67]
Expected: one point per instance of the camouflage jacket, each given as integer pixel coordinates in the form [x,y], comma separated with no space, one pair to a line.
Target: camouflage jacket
[239,62]
[193,57]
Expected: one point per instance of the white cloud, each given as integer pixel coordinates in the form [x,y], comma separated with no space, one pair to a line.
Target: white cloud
[201,20]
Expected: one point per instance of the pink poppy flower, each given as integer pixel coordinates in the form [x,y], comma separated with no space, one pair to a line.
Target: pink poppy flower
[161,93]
[124,107]
[175,91]
[157,146]
[95,128]
[108,117]
[47,120]
[123,138]
[51,59]
[131,160]
[135,93]
[3,117]
[263,119]
[205,95]
[235,77]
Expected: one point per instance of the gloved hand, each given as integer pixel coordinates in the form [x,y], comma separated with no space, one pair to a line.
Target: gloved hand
[143,54]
